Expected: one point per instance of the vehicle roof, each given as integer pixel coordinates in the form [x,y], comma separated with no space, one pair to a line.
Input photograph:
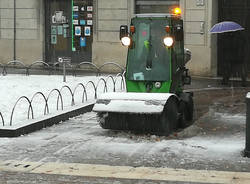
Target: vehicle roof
[154,15]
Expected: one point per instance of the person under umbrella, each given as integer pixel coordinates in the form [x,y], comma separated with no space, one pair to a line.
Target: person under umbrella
[234,50]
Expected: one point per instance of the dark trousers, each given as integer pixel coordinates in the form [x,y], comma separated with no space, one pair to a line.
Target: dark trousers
[234,69]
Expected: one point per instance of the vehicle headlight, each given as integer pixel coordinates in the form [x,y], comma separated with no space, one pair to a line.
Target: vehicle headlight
[126,41]
[168,41]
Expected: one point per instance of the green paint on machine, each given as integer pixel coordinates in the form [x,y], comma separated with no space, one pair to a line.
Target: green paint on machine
[155,75]
[135,86]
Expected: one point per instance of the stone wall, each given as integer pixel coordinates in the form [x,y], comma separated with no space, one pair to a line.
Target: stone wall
[198,17]
[29,30]
[110,15]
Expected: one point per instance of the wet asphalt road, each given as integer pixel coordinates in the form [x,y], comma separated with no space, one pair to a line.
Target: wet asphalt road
[219,120]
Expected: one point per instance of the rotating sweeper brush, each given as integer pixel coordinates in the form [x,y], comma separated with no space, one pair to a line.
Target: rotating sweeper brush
[155,76]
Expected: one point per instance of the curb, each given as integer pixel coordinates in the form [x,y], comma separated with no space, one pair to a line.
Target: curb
[47,121]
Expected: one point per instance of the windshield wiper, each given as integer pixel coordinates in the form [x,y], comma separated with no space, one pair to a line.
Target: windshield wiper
[148,45]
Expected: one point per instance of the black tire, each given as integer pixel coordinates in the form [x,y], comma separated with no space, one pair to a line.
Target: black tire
[183,122]
[186,108]
[189,112]
[169,117]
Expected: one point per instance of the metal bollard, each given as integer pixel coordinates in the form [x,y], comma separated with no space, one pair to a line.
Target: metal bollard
[64,61]
[64,71]
[247,148]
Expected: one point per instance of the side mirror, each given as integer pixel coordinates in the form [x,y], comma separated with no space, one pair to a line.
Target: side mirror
[179,35]
[123,31]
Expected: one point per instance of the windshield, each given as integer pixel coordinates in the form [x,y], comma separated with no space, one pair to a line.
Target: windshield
[149,59]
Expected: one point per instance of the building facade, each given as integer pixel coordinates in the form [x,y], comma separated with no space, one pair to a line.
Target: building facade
[88,30]
[198,15]
[21,31]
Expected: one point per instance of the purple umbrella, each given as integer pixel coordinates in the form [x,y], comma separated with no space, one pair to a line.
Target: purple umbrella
[226,26]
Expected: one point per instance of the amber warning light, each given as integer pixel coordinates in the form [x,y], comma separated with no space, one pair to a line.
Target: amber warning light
[167,28]
[132,29]
[177,11]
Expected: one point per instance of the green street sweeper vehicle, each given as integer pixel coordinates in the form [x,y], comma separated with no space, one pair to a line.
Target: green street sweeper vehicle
[154,101]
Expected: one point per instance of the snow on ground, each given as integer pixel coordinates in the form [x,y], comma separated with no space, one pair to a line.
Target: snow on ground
[14,86]
[240,118]
[82,140]
[198,146]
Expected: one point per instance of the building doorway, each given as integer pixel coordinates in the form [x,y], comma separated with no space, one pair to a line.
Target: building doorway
[237,11]
[65,33]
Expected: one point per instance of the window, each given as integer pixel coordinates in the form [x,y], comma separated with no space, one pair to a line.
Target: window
[149,60]
[159,6]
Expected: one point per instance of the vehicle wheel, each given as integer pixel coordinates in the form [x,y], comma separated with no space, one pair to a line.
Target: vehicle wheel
[183,122]
[169,117]
[189,108]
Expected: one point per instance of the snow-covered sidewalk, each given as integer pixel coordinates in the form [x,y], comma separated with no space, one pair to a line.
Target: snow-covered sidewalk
[15,86]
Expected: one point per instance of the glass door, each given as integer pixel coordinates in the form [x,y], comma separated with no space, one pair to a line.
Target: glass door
[58,29]
[68,30]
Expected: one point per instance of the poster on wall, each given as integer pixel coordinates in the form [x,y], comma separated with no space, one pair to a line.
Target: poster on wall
[82,22]
[78,31]
[75,22]
[59,30]
[89,22]
[53,39]
[87,31]
[83,42]
[65,33]
[89,8]
[53,30]
[75,8]
[75,15]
